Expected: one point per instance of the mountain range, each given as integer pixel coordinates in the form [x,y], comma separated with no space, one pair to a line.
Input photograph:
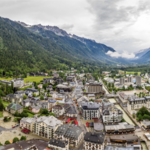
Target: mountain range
[37,47]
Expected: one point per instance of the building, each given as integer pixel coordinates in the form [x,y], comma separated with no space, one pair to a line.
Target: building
[146,124]
[70,110]
[58,144]
[130,79]
[90,110]
[49,87]
[123,127]
[69,132]
[94,88]
[51,103]
[127,141]
[42,126]
[13,107]
[63,87]
[122,81]
[31,91]
[94,141]
[70,78]
[138,80]
[58,110]
[134,104]
[33,144]
[111,114]
[5,82]
[18,82]
[47,80]
[14,98]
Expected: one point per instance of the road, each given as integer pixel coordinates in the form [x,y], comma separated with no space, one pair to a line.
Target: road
[78,115]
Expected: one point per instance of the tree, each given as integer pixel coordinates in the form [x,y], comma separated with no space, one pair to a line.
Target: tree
[15,140]
[45,111]
[23,138]
[34,95]
[7,142]
[1,144]
[45,86]
[24,96]
[2,107]
[41,97]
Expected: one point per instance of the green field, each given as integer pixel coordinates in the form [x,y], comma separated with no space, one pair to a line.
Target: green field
[5,103]
[28,79]
[30,115]
[128,72]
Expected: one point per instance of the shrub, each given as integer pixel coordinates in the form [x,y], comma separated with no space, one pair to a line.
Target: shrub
[15,140]
[7,142]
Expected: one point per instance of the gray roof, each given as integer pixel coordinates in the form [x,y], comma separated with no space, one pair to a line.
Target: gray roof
[119,148]
[51,101]
[58,143]
[69,131]
[94,137]
[70,109]
[14,106]
[147,123]
[90,105]
[40,144]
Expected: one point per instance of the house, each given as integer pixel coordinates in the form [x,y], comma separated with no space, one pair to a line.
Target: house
[69,132]
[31,91]
[21,93]
[146,124]
[90,110]
[13,107]
[58,80]
[128,141]
[111,114]
[122,127]
[35,109]
[70,110]
[58,110]
[49,87]
[70,78]
[40,86]
[42,126]
[64,88]
[51,103]
[36,144]
[14,98]
[134,104]
[47,80]
[58,144]
[91,96]
[18,82]
[26,102]
[94,141]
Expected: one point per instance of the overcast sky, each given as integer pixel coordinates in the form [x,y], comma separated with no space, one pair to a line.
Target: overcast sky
[121,24]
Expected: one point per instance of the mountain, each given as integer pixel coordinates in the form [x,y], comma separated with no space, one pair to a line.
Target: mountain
[141,52]
[26,48]
[75,45]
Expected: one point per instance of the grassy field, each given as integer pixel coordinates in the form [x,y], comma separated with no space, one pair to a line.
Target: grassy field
[129,72]
[28,79]
[30,115]
[5,103]
[1,114]
[133,73]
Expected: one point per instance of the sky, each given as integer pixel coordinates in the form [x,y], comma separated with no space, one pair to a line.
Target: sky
[121,24]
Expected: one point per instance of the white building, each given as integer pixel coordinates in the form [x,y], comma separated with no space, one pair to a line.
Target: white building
[94,141]
[138,80]
[111,114]
[58,110]
[90,110]
[42,126]
[122,81]
[18,82]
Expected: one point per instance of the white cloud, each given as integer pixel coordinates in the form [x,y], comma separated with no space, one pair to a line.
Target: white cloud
[123,55]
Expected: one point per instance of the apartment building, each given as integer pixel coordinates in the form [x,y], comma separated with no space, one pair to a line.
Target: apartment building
[42,126]
[111,114]
[69,132]
[18,82]
[134,104]
[90,110]
[58,110]
[94,141]
[56,144]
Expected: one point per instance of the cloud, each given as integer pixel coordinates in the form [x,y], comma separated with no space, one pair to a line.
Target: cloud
[67,26]
[123,55]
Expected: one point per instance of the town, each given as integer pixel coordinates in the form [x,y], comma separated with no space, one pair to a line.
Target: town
[75,110]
